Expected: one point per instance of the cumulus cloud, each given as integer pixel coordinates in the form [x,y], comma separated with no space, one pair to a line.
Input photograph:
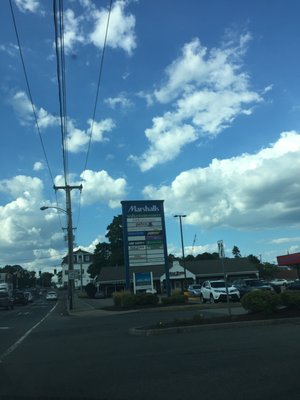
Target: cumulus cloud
[24,111]
[78,139]
[121,28]
[248,191]
[98,187]
[90,27]
[207,91]
[72,30]
[38,166]
[18,215]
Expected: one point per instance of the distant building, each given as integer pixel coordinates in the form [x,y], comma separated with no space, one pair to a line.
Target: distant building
[112,279]
[82,260]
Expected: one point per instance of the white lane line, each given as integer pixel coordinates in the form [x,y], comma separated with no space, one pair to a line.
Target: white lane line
[18,342]
[4,327]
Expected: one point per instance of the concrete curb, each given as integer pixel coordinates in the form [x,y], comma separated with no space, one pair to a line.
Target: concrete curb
[207,327]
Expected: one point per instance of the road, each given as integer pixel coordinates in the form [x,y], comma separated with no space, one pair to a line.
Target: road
[91,356]
[14,324]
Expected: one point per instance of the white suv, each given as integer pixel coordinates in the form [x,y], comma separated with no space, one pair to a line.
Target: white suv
[214,291]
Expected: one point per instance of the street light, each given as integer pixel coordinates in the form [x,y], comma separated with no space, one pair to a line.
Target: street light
[180,216]
[70,248]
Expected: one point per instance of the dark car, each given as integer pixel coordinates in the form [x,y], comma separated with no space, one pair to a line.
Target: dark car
[20,297]
[293,286]
[248,285]
[6,300]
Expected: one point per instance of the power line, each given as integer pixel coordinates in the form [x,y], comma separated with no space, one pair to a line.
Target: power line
[60,67]
[28,90]
[31,99]
[98,85]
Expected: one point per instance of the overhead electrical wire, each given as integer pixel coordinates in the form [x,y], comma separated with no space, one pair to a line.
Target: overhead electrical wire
[28,90]
[96,98]
[98,85]
[31,98]
[61,79]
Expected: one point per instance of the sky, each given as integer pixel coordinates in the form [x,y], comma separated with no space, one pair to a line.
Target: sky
[198,106]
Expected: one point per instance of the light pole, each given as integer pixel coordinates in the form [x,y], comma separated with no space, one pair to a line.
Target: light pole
[70,247]
[180,216]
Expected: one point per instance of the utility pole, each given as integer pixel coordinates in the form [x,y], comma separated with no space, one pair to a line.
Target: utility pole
[180,216]
[68,190]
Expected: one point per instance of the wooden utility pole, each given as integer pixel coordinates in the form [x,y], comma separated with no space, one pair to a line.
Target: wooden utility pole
[68,190]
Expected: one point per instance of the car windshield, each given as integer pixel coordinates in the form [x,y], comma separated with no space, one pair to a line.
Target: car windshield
[217,284]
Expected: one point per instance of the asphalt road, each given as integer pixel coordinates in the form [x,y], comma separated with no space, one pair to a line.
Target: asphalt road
[14,324]
[88,356]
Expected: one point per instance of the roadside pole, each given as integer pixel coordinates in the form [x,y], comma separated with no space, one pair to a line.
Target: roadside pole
[222,256]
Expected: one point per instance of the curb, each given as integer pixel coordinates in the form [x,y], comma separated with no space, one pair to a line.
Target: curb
[207,327]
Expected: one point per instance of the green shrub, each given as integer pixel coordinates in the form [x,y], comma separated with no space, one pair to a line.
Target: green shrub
[260,301]
[290,299]
[175,298]
[146,299]
[91,290]
[127,299]
[124,299]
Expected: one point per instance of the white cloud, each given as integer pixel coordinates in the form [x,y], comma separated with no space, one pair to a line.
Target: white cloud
[78,139]
[121,28]
[23,108]
[32,6]
[98,187]
[208,92]
[167,139]
[285,240]
[72,31]
[38,166]
[120,101]
[18,216]
[247,191]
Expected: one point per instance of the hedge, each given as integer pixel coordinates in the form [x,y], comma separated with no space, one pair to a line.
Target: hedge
[127,299]
[261,301]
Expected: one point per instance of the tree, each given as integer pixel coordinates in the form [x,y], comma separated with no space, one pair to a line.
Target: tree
[207,256]
[267,270]
[253,259]
[45,279]
[112,253]
[115,238]
[101,259]
[236,252]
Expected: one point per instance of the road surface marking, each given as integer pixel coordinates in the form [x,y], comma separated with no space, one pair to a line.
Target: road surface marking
[4,327]
[18,342]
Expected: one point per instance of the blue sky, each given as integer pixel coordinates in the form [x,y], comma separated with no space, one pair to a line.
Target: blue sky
[199,106]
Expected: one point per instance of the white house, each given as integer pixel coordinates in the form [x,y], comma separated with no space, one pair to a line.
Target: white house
[82,260]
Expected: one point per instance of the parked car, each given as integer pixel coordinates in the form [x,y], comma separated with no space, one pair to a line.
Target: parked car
[215,291]
[279,282]
[293,286]
[51,296]
[19,297]
[248,285]
[6,300]
[194,290]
